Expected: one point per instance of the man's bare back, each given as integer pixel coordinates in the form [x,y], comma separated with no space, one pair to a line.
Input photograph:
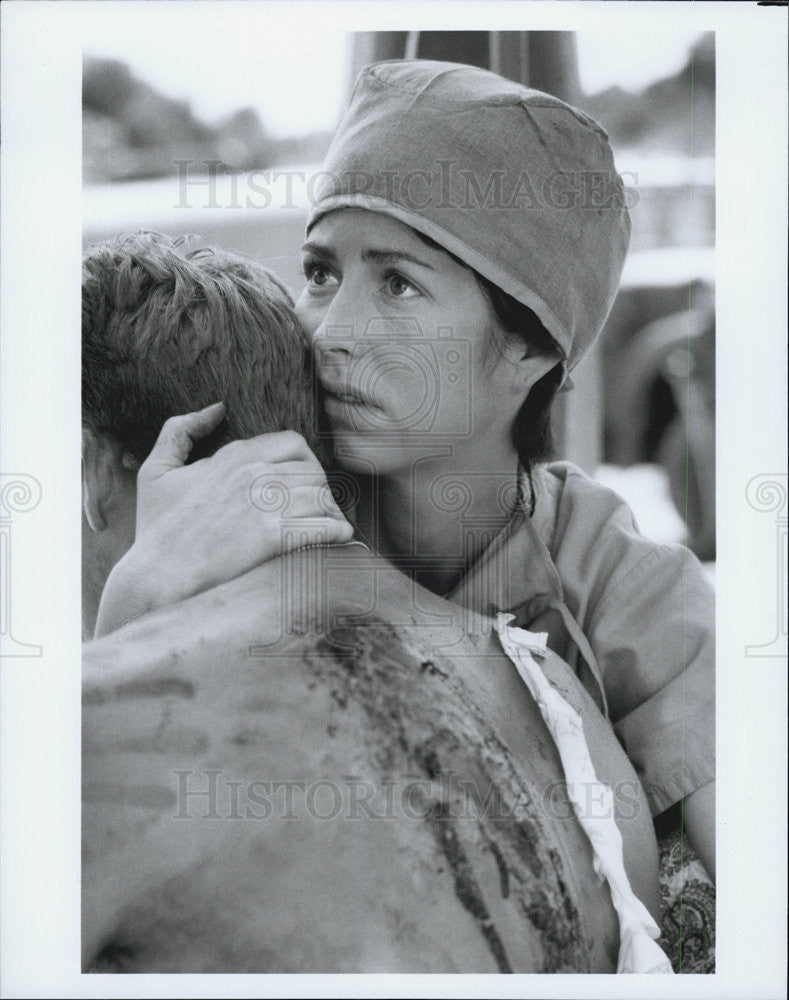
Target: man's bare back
[279,788]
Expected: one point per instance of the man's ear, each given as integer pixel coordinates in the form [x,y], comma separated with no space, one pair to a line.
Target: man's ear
[97,478]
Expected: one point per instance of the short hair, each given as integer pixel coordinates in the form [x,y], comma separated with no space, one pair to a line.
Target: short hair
[168,329]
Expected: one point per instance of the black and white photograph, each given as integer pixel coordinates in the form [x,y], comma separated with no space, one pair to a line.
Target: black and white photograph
[431,441]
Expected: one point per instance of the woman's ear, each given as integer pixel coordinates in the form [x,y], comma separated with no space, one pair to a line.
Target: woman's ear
[97,478]
[529,367]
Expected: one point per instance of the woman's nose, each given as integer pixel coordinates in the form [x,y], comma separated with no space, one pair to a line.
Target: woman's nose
[332,359]
[338,332]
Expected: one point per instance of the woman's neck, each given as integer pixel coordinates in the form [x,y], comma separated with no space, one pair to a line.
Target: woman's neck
[435,522]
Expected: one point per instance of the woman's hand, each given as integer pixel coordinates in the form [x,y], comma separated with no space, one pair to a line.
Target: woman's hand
[200,525]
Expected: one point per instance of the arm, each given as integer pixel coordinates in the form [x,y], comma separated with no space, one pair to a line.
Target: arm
[659,671]
[202,524]
[649,614]
[699,820]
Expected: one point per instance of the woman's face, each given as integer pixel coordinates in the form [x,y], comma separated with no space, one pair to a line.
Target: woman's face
[401,337]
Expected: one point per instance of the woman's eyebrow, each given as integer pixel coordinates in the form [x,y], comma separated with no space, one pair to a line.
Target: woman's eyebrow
[393,256]
[378,256]
[320,250]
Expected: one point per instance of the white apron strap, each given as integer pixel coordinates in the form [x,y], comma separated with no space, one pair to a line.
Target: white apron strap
[638,948]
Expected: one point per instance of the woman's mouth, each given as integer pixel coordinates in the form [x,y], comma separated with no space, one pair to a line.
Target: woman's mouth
[340,392]
[344,409]
[345,397]
[350,411]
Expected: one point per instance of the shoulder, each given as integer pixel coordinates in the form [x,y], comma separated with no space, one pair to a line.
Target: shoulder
[598,550]
[575,502]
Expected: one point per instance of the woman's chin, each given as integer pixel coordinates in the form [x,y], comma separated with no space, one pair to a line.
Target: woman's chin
[357,451]
[369,452]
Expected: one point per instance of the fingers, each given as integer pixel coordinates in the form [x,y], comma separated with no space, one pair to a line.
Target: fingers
[315,500]
[290,495]
[315,531]
[178,437]
[275,447]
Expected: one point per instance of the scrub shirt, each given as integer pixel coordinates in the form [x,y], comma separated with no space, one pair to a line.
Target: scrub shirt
[633,617]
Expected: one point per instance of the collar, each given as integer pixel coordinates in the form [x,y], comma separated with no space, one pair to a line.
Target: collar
[517,571]
[516,567]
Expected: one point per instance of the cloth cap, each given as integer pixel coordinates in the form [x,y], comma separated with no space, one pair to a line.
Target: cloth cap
[515,183]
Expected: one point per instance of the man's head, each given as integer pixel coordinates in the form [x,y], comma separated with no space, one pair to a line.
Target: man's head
[166,330]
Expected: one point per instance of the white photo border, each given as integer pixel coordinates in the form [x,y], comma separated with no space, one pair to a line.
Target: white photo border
[39,367]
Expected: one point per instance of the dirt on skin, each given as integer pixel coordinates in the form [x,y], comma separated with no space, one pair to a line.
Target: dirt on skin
[445,852]
[376,669]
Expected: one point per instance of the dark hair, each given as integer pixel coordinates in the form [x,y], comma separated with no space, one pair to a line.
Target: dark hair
[531,430]
[167,329]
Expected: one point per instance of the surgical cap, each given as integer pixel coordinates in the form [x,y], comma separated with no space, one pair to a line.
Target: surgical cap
[515,183]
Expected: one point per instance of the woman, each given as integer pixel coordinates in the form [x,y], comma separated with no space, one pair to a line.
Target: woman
[463,252]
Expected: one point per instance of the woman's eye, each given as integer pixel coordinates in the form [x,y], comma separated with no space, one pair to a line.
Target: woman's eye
[400,287]
[318,275]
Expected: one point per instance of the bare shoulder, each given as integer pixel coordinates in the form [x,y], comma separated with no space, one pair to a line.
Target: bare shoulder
[369,796]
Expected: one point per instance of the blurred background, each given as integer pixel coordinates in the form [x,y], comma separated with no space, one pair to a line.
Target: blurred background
[221,142]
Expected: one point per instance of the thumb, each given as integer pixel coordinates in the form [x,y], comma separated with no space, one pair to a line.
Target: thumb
[177,438]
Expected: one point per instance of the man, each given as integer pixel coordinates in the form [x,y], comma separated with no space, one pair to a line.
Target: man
[167,329]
